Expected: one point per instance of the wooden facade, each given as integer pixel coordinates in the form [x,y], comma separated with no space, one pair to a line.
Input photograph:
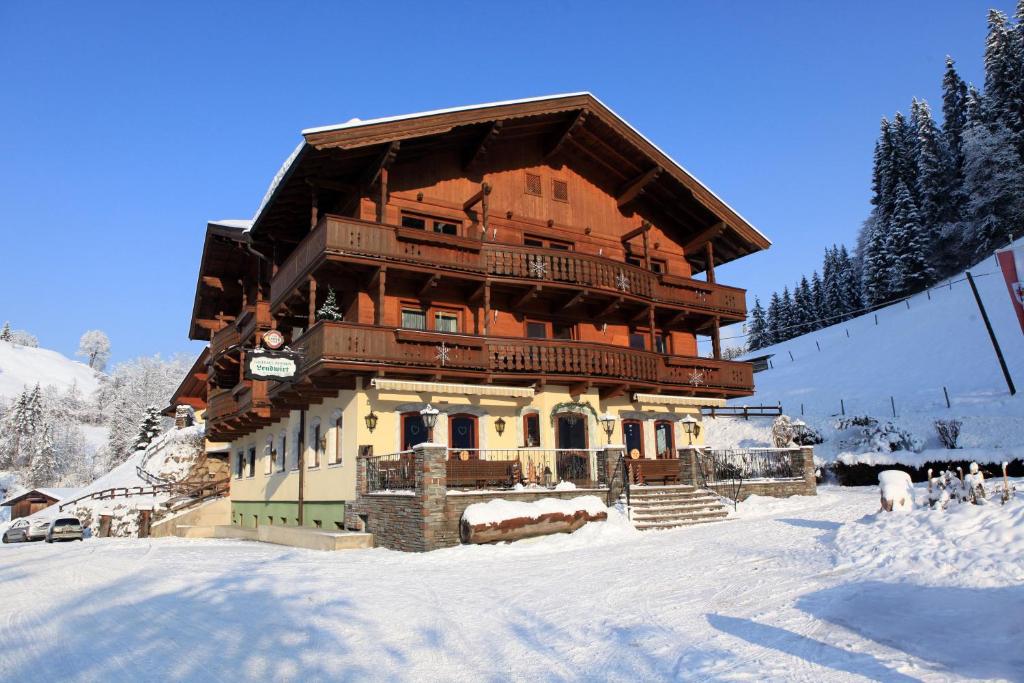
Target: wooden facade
[525,243]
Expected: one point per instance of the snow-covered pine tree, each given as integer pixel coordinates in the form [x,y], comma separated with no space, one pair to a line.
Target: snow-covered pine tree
[149,429]
[954,116]
[803,307]
[883,175]
[774,320]
[904,162]
[329,310]
[757,337]
[910,270]
[1003,75]
[818,300]
[875,270]
[849,283]
[833,291]
[45,469]
[787,315]
[5,333]
[933,174]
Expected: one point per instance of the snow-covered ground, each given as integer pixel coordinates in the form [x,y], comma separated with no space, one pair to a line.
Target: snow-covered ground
[811,589]
[22,366]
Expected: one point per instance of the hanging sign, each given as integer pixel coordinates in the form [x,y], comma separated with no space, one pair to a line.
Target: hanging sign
[273,339]
[1011,262]
[273,365]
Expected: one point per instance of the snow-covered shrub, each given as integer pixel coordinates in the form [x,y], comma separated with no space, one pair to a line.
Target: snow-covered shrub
[949,432]
[807,436]
[784,431]
[855,421]
[871,435]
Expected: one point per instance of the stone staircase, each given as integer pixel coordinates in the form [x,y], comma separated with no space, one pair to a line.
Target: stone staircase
[666,507]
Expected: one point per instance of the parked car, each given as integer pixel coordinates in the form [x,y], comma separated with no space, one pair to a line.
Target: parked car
[64,529]
[17,531]
[37,529]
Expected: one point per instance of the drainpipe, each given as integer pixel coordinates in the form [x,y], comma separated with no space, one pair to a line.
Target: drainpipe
[301,445]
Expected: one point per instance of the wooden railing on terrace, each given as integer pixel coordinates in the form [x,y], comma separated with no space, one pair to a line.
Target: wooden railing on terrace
[369,344]
[221,403]
[362,239]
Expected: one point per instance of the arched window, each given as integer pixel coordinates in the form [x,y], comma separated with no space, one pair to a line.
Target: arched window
[268,452]
[336,456]
[239,464]
[315,444]
[293,457]
[531,430]
[282,452]
[462,433]
[413,430]
[663,439]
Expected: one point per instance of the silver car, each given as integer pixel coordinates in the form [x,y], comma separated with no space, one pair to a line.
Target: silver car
[17,531]
[64,529]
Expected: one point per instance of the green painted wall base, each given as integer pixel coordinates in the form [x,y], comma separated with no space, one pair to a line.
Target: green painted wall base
[328,515]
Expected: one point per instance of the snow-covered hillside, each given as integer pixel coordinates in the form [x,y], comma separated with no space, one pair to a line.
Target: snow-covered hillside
[904,356]
[22,366]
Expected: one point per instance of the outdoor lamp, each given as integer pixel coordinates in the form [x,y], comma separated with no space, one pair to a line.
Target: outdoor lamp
[691,427]
[371,420]
[608,424]
[499,426]
[798,429]
[429,415]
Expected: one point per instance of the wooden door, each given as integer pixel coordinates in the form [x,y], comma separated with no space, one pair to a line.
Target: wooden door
[572,436]
[413,430]
[145,517]
[634,435]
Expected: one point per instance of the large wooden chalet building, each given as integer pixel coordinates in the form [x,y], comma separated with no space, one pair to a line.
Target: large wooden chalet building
[526,268]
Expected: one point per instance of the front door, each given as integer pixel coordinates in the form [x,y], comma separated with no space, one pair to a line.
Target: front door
[634,433]
[572,436]
[462,434]
[413,430]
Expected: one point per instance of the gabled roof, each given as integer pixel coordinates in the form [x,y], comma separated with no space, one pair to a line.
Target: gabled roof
[192,390]
[223,261]
[55,494]
[582,110]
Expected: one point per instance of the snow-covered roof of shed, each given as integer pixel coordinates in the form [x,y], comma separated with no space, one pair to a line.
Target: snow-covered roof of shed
[358,123]
[51,492]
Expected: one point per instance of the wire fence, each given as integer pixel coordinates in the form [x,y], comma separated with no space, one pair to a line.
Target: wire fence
[721,466]
[391,472]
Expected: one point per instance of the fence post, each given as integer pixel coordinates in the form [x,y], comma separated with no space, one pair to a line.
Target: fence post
[803,466]
[431,491]
[688,466]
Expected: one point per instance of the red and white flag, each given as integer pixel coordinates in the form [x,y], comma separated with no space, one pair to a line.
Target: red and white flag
[1011,262]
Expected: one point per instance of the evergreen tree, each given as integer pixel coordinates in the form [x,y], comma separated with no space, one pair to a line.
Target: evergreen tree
[329,309]
[803,307]
[787,315]
[833,291]
[909,269]
[1002,75]
[45,469]
[149,429]
[818,301]
[933,173]
[5,333]
[875,273]
[954,116]
[758,337]
[883,174]
[849,283]
[775,331]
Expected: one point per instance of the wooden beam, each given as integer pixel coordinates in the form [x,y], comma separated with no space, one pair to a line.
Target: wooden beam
[613,391]
[381,162]
[531,293]
[716,339]
[576,298]
[567,134]
[312,302]
[378,314]
[335,185]
[487,307]
[709,262]
[478,293]
[636,187]
[678,317]
[430,283]
[612,306]
[636,232]
[703,237]
[479,151]
[579,388]
[478,196]
[642,313]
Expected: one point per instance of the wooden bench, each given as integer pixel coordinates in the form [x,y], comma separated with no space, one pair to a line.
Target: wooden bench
[645,471]
[483,473]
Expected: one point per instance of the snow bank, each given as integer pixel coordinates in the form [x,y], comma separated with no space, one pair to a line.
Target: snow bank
[964,545]
[500,509]
[22,366]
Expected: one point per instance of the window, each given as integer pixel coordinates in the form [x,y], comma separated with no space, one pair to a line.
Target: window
[314,440]
[252,461]
[531,430]
[239,464]
[269,451]
[663,441]
[444,226]
[413,430]
[634,435]
[559,190]
[536,329]
[462,432]
[446,321]
[638,341]
[634,261]
[299,446]
[533,185]
[659,344]
[282,453]
[336,457]
[546,243]
[414,319]
[561,331]
[657,265]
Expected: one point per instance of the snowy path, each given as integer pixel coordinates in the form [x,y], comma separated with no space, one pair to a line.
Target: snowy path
[761,597]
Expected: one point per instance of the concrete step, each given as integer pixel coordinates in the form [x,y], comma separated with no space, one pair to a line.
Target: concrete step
[662,510]
[193,531]
[670,500]
[681,520]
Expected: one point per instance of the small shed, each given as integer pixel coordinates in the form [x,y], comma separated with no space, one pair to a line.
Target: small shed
[760,363]
[32,501]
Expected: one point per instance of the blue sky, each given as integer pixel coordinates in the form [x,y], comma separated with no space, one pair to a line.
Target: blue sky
[124,127]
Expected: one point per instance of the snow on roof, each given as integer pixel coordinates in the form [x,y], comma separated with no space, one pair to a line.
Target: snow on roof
[59,493]
[243,223]
[358,123]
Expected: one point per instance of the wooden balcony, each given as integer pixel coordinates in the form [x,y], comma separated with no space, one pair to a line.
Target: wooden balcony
[222,340]
[334,347]
[220,404]
[361,241]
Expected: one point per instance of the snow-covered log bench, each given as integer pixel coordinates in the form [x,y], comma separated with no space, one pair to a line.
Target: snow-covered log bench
[506,520]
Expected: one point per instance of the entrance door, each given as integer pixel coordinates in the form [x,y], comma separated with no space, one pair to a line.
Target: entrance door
[462,434]
[663,440]
[572,436]
[634,433]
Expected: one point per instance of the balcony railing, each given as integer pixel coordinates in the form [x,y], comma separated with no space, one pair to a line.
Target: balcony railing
[221,403]
[357,240]
[352,343]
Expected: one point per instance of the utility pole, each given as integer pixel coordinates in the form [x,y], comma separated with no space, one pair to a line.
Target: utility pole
[992,335]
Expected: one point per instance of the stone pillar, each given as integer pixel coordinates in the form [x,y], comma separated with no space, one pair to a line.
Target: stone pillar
[184,416]
[352,508]
[432,492]
[803,465]
[607,460]
[688,472]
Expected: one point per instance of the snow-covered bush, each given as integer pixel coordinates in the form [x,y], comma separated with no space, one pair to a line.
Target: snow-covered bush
[896,490]
[870,435]
[787,432]
[949,432]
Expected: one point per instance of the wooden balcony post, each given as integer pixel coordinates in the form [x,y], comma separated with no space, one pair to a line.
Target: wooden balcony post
[650,323]
[383,201]
[312,302]
[647,249]
[379,313]
[314,211]
[709,256]
[716,339]
[487,307]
